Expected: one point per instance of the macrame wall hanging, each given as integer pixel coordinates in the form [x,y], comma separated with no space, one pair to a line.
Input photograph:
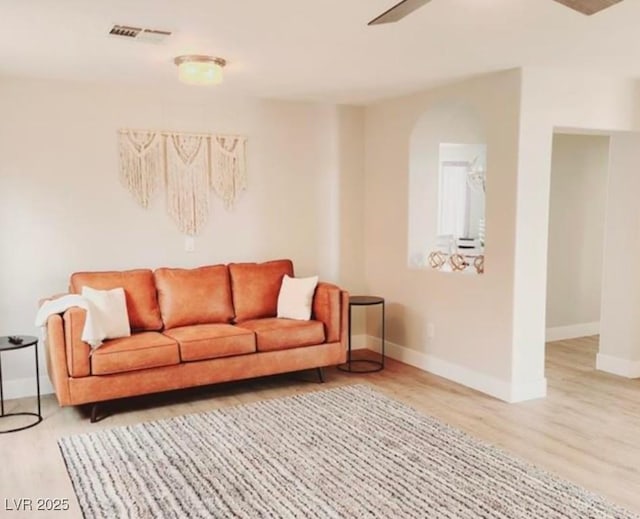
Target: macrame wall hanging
[189,166]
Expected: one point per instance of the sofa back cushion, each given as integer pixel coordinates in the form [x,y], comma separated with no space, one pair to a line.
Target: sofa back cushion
[256,287]
[140,292]
[194,296]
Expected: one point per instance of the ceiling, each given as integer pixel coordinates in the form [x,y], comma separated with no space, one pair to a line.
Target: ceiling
[314,49]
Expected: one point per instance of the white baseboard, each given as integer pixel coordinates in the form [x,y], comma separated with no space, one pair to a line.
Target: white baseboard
[497,388]
[22,387]
[531,390]
[572,331]
[618,366]
[359,342]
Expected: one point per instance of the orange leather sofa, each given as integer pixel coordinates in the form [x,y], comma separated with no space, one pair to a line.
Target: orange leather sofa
[193,327]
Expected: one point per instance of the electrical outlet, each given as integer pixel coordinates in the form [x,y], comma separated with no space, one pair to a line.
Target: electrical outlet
[189,244]
[431,330]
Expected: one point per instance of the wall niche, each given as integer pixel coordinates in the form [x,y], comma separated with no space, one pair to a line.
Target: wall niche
[447,186]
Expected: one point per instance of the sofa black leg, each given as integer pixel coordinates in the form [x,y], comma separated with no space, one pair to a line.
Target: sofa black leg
[320,375]
[94,413]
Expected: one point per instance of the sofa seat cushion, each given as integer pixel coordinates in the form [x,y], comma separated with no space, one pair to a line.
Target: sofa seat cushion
[281,334]
[210,341]
[140,351]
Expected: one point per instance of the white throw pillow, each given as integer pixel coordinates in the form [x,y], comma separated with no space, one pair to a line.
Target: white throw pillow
[296,296]
[109,309]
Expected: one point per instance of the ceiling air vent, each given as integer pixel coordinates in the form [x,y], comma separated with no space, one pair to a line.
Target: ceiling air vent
[125,31]
[139,34]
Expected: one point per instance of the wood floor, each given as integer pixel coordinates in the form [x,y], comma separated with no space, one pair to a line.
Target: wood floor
[587,430]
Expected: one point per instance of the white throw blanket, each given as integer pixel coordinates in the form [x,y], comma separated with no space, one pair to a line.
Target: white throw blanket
[93,333]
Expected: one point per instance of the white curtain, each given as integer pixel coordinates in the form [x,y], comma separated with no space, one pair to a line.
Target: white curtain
[453,206]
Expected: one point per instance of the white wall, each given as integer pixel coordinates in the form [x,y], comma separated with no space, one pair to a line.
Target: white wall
[471,315]
[552,99]
[619,351]
[579,168]
[63,209]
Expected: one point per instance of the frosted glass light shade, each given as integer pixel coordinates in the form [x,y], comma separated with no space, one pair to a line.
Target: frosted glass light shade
[200,70]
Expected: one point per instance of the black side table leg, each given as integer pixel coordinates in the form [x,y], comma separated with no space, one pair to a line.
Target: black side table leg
[35,348]
[383,335]
[349,332]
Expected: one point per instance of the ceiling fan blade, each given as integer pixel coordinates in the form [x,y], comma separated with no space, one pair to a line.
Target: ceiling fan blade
[398,11]
[588,6]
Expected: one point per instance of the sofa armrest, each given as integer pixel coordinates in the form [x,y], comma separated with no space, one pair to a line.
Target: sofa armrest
[327,303]
[76,349]
[57,359]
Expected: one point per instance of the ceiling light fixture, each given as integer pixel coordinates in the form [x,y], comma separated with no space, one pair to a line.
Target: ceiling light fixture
[200,70]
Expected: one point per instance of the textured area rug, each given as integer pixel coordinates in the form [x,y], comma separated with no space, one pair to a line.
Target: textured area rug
[346,452]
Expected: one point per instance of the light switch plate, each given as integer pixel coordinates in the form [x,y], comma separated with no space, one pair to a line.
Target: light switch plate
[189,244]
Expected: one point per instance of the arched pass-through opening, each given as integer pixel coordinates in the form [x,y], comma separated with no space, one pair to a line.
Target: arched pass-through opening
[447,182]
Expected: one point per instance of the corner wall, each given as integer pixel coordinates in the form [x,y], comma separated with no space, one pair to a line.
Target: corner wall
[552,99]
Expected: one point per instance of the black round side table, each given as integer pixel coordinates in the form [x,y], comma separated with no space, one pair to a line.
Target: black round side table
[6,345]
[364,365]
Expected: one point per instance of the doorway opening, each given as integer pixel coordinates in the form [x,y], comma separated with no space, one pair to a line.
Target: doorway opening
[577,210]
